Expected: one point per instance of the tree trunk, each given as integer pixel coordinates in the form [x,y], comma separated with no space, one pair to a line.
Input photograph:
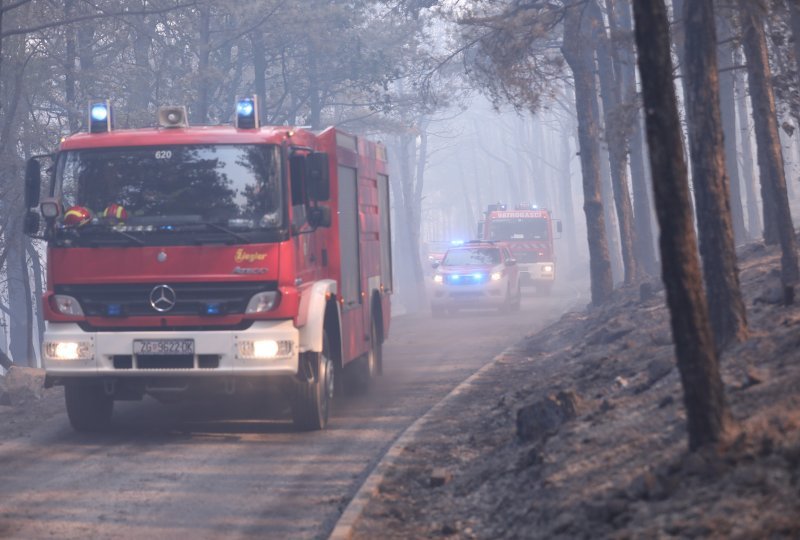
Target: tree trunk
[38,287]
[314,102]
[69,69]
[203,63]
[566,197]
[578,54]
[706,410]
[644,245]
[794,12]
[715,229]
[260,71]
[610,217]
[19,298]
[777,217]
[728,112]
[616,138]
[746,144]
[141,95]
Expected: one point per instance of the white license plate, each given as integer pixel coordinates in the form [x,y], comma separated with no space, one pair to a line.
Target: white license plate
[163,346]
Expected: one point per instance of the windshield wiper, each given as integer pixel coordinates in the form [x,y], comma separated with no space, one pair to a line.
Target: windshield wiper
[226,230]
[128,236]
[93,240]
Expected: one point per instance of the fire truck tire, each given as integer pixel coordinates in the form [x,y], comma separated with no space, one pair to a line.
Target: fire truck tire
[360,372]
[544,289]
[376,353]
[88,406]
[313,396]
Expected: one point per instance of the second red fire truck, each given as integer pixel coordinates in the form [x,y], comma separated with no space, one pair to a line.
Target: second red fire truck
[191,260]
[528,233]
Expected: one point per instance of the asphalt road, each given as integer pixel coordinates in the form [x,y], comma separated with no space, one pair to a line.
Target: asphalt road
[206,471]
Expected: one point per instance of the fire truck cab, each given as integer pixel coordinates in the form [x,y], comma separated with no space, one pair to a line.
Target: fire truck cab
[184,261]
[528,232]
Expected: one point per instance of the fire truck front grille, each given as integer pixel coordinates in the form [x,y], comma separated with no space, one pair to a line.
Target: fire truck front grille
[186,361]
[129,300]
[526,256]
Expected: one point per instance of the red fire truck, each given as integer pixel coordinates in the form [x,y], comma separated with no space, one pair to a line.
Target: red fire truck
[528,232]
[184,261]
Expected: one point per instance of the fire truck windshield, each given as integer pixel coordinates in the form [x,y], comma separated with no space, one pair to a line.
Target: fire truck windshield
[518,229]
[222,186]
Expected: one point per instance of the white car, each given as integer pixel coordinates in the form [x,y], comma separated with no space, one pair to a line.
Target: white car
[476,275]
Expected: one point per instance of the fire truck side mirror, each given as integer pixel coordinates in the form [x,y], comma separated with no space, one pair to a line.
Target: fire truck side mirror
[319,184]
[33,182]
[558,226]
[319,216]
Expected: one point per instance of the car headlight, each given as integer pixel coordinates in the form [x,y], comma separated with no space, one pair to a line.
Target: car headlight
[265,348]
[497,276]
[68,350]
[438,278]
[263,301]
[66,305]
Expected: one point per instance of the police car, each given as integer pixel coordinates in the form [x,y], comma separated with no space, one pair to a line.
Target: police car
[478,274]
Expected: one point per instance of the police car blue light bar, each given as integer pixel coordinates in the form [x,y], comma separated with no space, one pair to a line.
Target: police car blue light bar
[246,113]
[100,116]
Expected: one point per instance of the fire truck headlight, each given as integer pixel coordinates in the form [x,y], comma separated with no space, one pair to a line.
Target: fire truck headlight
[67,350]
[66,305]
[263,301]
[265,348]
[497,276]
[438,278]
[547,268]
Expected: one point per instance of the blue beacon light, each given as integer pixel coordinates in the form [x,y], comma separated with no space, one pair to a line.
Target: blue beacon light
[100,116]
[247,113]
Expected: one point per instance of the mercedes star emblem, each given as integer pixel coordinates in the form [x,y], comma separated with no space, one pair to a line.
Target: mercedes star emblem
[163,298]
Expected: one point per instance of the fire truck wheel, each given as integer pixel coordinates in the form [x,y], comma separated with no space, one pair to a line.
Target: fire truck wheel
[544,289]
[376,351]
[313,396]
[88,406]
[360,372]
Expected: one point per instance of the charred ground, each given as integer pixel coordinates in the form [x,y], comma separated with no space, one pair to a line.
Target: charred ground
[579,431]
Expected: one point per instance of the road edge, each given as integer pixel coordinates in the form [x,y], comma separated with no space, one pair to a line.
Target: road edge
[343,530]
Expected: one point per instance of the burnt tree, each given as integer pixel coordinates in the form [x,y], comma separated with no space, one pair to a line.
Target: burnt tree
[615,128]
[578,53]
[778,227]
[621,27]
[707,413]
[727,79]
[707,154]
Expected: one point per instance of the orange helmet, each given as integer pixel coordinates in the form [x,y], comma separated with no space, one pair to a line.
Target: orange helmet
[77,216]
[115,213]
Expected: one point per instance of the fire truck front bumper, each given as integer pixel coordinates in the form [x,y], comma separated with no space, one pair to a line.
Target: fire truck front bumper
[266,348]
[537,272]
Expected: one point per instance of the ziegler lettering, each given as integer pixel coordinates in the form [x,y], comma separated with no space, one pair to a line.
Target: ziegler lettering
[243,256]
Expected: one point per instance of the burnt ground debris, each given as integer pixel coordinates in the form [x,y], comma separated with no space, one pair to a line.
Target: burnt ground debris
[579,432]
